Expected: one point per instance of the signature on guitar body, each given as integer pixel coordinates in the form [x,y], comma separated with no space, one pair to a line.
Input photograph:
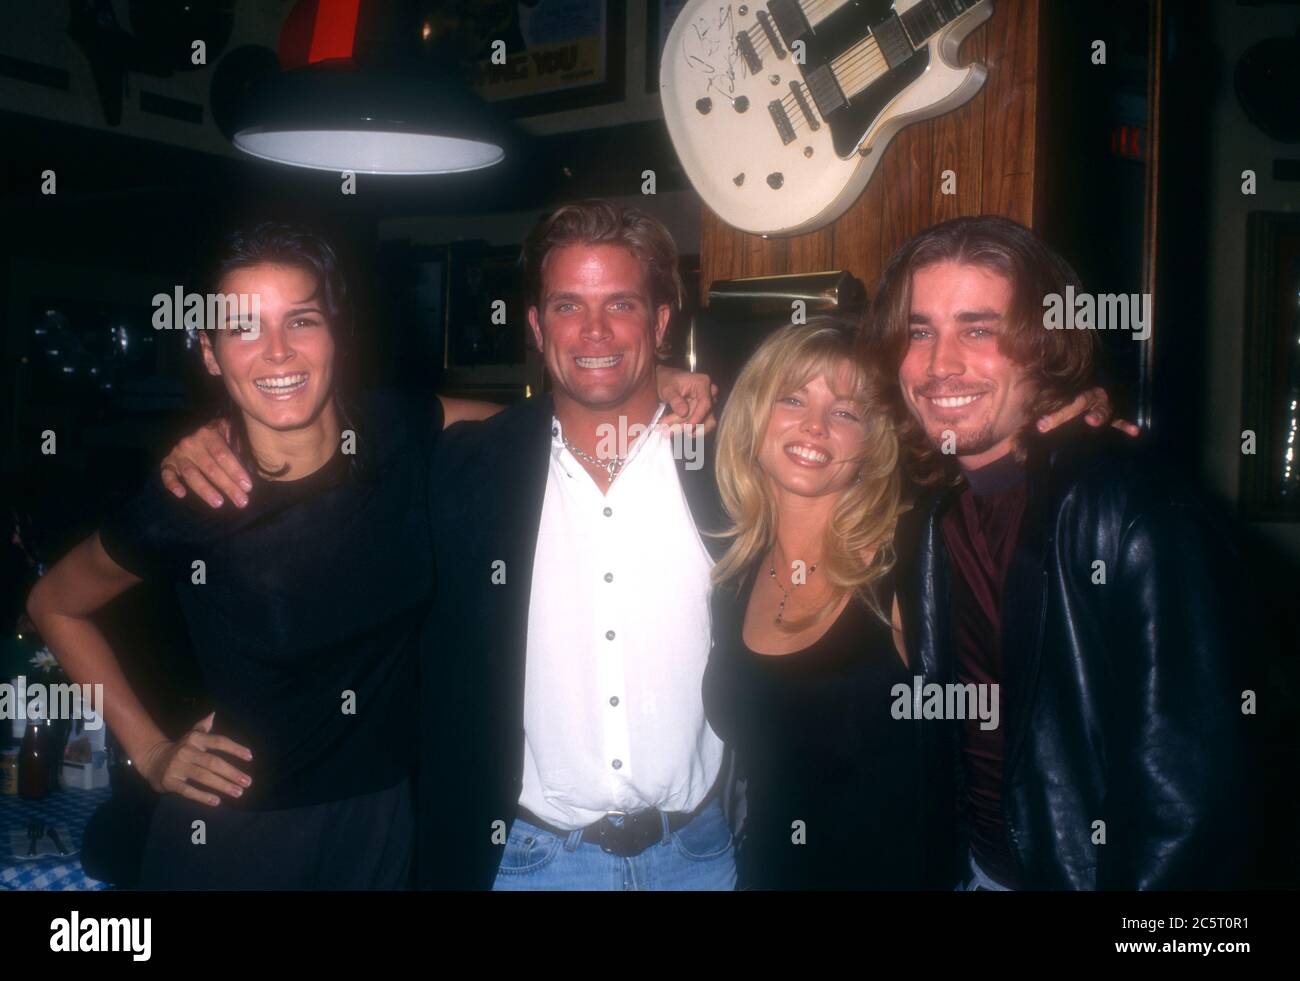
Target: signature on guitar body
[781,109]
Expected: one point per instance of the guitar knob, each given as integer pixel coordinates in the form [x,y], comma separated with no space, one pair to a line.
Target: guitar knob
[705,105]
[775,180]
[741,103]
[744,9]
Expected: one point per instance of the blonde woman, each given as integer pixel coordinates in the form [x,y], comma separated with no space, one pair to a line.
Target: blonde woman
[800,682]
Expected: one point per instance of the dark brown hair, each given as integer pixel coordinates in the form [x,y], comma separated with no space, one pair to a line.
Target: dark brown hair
[597,222]
[1060,363]
[288,244]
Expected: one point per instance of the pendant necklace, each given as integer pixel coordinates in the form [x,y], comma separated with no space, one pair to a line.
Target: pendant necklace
[785,593]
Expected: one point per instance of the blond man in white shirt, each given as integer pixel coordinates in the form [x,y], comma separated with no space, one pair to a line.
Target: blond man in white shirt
[579,756]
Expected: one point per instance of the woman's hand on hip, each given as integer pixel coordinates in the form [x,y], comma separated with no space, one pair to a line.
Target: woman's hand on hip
[190,766]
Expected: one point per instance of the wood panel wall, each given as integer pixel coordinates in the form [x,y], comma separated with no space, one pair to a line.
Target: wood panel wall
[993,143]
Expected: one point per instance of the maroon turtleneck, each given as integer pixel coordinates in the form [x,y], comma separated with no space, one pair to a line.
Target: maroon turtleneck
[980,530]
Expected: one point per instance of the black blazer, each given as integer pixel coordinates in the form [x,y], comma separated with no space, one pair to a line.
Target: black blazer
[1121,701]
[487,488]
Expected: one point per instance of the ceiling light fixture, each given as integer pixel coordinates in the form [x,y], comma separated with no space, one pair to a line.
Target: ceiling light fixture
[359,92]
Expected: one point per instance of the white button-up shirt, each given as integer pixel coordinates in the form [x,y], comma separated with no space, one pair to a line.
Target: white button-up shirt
[618,639]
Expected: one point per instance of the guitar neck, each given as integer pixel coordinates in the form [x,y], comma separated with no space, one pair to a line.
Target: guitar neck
[893,41]
[929,17]
[813,11]
[921,21]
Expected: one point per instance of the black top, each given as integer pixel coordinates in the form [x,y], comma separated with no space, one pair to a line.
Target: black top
[816,743]
[313,591]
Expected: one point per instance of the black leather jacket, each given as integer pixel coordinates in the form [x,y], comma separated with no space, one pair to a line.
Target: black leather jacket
[1123,699]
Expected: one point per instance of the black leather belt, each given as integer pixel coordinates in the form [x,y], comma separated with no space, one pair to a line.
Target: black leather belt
[636,832]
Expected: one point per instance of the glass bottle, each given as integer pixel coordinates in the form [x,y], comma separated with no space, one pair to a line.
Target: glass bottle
[34,761]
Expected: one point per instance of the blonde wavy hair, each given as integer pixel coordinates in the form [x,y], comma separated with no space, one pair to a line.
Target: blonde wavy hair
[867,511]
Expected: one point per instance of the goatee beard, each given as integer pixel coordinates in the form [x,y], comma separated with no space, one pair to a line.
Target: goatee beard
[968,444]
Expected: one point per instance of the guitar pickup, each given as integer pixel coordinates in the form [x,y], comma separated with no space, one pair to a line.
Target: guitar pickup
[893,41]
[782,120]
[789,19]
[745,45]
[808,114]
[766,23]
[826,92]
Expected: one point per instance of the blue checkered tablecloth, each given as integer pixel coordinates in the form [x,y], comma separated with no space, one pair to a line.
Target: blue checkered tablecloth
[64,809]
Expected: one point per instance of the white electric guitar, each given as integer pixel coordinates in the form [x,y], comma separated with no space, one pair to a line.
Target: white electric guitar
[780,110]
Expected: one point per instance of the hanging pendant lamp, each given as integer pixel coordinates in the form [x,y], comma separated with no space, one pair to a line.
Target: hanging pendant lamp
[359,91]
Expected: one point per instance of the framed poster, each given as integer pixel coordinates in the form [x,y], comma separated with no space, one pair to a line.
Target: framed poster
[660,15]
[557,54]
[486,319]
[1270,475]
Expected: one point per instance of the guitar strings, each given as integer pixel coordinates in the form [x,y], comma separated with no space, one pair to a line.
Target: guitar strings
[856,69]
[860,66]
[865,55]
[814,11]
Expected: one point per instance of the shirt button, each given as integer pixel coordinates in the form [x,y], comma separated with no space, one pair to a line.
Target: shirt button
[608,512]
[609,635]
[613,700]
[609,577]
[617,764]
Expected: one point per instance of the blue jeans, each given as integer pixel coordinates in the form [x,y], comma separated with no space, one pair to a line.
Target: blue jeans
[698,856]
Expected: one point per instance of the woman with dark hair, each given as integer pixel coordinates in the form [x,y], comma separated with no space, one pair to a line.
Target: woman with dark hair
[287,246]
[308,655]
[304,604]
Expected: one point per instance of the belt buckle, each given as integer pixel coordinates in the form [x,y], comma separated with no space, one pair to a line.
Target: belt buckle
[622,839]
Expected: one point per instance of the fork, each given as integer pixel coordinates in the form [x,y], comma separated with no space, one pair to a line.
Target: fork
[54,836]
[35,832]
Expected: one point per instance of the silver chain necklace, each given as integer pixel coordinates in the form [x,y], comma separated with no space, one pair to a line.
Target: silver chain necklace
[611,467]
[785,593]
